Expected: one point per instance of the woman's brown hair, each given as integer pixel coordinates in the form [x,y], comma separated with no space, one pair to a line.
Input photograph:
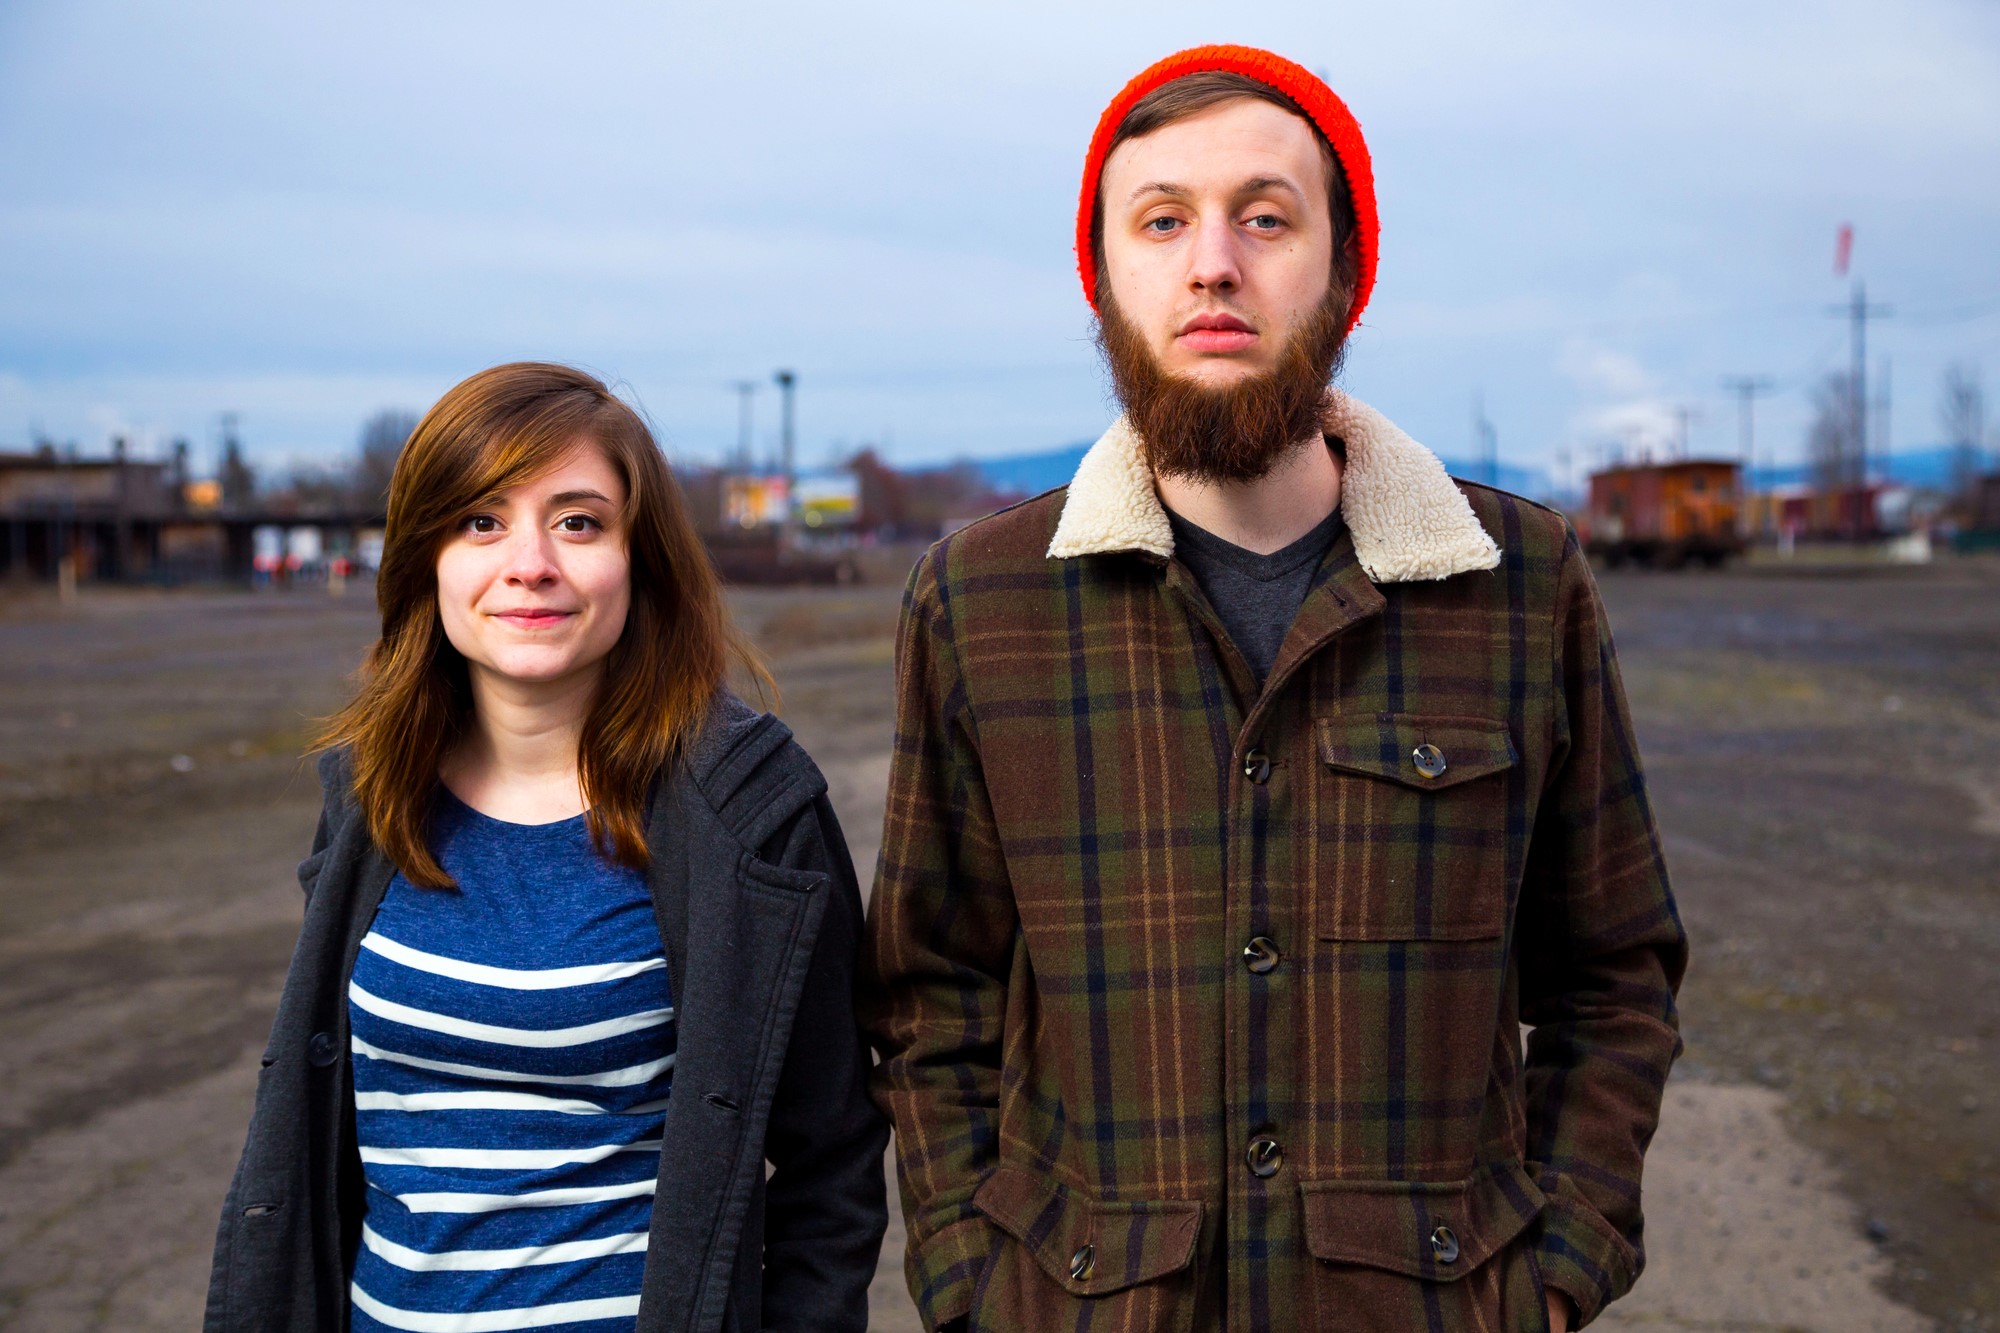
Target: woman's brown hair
[493,431]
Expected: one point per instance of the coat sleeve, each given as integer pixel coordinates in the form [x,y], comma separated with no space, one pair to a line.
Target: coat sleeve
[1602,953]
[941,939]
[826,1204]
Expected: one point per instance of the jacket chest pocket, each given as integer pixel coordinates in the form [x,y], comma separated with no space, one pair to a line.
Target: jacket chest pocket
[1412,833]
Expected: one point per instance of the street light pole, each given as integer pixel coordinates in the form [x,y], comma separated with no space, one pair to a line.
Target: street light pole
[787,381]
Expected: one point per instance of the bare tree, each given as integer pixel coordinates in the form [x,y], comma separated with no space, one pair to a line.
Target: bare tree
[1833,441]
[1962,415]
[382,441]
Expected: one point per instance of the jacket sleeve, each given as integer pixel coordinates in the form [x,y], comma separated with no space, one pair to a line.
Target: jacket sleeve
[826,1204]
[941,939]
[1602,953]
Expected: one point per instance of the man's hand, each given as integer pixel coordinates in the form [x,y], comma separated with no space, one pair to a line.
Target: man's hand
[1558,1312]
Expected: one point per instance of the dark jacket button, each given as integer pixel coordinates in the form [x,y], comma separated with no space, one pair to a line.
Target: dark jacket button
[1260,955]
[1082,1262]
[1257,767]
[1428,759]
[1265,1156]
[323,1049]
[1444,1245]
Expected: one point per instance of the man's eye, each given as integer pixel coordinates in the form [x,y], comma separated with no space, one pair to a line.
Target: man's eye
[1266,222]
[1161,226]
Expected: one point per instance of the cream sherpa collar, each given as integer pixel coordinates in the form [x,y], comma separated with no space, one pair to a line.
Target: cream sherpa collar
[1409,521]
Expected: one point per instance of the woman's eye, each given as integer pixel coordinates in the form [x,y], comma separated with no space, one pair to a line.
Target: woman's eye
[578,523]
[481,524]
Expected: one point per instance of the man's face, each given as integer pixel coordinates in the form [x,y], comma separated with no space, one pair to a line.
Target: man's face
[1218,241]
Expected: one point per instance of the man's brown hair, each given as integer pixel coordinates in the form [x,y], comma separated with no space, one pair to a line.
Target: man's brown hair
[493,431]
[1192,94]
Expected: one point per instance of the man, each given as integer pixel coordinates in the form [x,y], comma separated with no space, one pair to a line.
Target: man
[1249,795]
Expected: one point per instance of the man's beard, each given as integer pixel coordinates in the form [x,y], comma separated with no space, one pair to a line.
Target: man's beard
[1237,432]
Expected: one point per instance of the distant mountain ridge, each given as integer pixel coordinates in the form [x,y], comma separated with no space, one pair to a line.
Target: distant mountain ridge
[1033,473]
[1929,467]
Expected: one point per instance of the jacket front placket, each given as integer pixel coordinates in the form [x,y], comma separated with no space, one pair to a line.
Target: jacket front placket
[1270,751]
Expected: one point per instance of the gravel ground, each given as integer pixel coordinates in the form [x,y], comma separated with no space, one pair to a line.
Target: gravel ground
[1820,750]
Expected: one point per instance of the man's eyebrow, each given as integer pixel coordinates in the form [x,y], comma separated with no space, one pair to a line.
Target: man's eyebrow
[1159,187]
[1263,183]
[1253,186]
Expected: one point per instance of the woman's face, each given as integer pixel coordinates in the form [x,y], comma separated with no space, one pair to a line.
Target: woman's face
[533,587]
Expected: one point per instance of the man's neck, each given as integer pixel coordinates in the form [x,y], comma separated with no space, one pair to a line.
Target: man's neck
[1267,514]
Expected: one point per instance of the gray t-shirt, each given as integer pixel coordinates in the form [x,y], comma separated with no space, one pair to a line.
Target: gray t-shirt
[1256,596]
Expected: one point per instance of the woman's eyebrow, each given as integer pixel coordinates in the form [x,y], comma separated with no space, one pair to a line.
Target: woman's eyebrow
[571,497]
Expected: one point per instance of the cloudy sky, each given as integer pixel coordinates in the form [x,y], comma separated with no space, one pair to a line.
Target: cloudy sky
[306,212]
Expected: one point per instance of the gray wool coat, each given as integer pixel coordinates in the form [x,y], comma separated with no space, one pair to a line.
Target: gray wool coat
[760,916]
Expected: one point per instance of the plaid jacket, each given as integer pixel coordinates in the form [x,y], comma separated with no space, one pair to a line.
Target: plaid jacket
[1201,1007]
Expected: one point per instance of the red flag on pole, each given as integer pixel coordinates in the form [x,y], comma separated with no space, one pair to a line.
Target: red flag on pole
[1843,248]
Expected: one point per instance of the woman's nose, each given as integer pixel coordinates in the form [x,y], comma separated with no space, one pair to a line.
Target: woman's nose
[529,560]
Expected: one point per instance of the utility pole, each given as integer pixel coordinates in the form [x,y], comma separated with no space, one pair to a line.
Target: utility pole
[1681,417]
[1486,440]
[1883,444]
[1859,312]
[744,390]
[1746,388]
[786,380]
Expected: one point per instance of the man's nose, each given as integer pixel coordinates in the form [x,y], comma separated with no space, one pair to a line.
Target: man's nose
[1215,259]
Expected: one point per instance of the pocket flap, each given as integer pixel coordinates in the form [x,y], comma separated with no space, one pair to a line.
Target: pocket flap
[1395,1224]
[1130,1242]
[1385,745]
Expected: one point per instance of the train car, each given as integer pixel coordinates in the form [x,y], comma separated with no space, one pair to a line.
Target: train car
[1667,514]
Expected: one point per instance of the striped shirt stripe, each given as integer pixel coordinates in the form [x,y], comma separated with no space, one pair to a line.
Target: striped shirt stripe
[495,1321]
[630,1076]
[502,1159]
[512,978]
[467,1261]
[488,1032]
[493,1203]
[492,1100]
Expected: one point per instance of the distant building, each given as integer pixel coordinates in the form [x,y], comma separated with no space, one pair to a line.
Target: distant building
[108,516]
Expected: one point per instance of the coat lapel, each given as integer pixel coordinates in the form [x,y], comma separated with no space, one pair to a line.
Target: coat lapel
[1409,519]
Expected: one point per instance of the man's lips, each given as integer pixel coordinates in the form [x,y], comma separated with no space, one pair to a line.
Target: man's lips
[1216,333]
[533,617]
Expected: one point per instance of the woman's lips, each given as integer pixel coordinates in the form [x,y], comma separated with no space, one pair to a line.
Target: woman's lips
[532,619]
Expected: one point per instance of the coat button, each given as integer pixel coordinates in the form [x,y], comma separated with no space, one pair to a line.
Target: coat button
[1444,1245]
[1265,1156]
[322,1050]
[1260,955]
[1257,767]
[1429,759]
[1082,1262]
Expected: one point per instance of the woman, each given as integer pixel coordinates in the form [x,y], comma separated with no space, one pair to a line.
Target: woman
[579,935]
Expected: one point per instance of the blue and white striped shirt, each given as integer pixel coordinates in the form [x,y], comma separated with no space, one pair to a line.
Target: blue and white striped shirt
[513,1048]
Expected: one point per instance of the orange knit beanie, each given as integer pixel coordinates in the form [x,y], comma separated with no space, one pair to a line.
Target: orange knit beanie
[1328,112]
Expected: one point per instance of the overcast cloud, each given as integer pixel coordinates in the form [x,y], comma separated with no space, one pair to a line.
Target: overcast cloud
[304,213]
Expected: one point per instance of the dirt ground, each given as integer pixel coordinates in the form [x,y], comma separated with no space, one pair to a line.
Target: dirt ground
[1821,750]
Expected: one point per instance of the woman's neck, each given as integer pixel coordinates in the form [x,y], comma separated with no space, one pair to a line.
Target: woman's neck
[518,759]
